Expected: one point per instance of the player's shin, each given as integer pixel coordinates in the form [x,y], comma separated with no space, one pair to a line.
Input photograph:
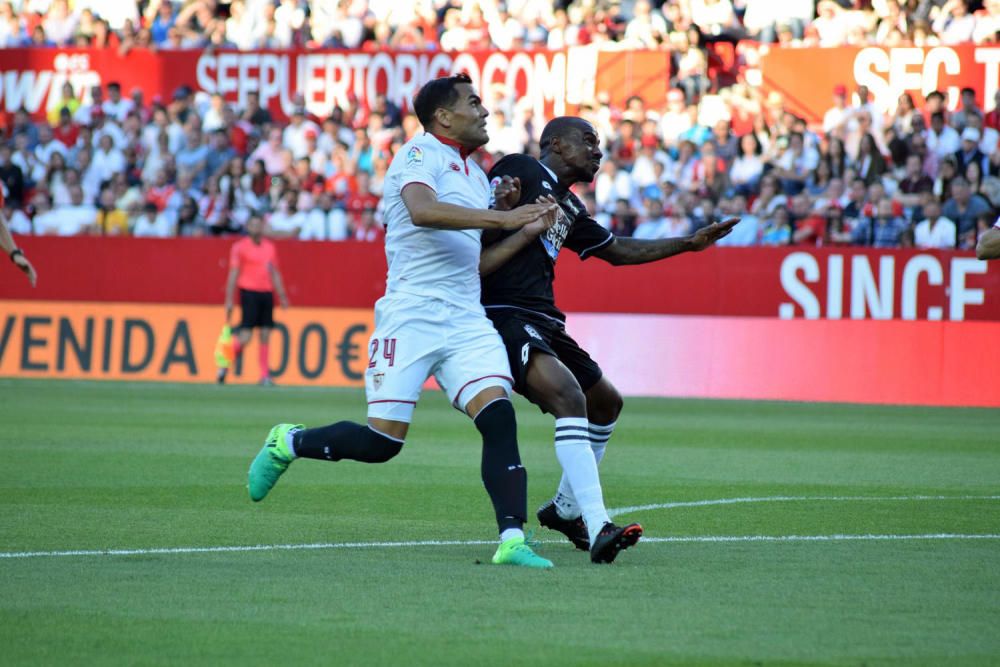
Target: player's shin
[345,440]
[504,477]
[572,442]
[564,500]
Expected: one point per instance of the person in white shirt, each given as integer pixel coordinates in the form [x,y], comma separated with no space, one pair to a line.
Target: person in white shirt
[287,221]
[431,321]
[116,106]
[152,224]
[655,225]
[837,116]
[935,230]
[325,222]
[294,136]
[941,139]
[107,160]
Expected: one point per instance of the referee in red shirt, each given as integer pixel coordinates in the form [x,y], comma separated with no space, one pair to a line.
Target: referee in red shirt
[253,268]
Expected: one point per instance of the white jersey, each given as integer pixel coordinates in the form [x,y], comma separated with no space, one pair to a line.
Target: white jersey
[435,263]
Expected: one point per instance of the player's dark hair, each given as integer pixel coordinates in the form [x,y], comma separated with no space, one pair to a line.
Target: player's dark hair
[437,94]
[561,126]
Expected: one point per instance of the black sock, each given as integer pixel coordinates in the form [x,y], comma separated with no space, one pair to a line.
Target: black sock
[345,440]
[504,477]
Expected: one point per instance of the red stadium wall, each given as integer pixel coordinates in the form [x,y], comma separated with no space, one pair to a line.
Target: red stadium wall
[771,323]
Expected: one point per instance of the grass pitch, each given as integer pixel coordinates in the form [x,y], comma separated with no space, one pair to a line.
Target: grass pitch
[98,466]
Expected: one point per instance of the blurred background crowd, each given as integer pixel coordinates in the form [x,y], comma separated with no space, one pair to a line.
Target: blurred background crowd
[110,161]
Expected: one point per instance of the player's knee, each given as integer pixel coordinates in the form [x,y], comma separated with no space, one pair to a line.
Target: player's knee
[381,448]
[604,407]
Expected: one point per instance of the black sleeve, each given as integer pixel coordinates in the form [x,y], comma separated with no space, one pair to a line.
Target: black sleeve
[586,236]
[523,167]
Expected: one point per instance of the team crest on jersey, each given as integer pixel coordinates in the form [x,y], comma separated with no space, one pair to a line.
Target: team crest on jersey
[377,379]
[454,167]
[415,155]
[532,332]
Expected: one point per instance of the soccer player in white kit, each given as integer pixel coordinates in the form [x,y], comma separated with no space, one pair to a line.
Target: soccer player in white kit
[430,321]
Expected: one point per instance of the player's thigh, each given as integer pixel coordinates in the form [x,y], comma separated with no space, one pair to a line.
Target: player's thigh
[576,359]
[403,351]
[551,386]
[475,359]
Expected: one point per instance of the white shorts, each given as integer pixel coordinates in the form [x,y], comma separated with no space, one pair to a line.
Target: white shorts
[416,337]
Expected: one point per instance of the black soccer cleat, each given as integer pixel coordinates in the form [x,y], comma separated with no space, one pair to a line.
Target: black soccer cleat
[613,539]
[574,529]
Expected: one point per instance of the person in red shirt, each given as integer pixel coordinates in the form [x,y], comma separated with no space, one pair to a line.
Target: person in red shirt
[253,268]
[66,131]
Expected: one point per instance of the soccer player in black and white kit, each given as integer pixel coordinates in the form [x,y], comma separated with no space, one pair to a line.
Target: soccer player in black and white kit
[549,368]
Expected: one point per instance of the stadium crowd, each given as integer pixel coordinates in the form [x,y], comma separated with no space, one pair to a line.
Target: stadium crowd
[108,161]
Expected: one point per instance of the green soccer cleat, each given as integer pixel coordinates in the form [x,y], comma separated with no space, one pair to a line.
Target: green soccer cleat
[515,551]
[271,462]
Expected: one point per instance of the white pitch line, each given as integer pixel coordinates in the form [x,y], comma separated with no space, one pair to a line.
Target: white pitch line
[612,512]
[784,499]
[463,543]
[818,538]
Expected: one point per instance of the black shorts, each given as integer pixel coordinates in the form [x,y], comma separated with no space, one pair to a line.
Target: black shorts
[523,331]
[257,309]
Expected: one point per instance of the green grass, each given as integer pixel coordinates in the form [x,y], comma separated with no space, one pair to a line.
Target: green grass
[97,466]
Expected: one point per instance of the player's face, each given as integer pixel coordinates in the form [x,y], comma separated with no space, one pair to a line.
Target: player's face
[468,117]
[581,151]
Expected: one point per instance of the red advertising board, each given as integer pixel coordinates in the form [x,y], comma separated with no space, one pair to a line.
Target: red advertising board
[830,324]
[806,77]
[553,81]
[784,283]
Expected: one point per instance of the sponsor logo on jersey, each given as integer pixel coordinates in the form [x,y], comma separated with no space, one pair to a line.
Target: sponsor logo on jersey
[454,167]
[532,331]
[525,353]
[546,185]
[415,155]
[554,238]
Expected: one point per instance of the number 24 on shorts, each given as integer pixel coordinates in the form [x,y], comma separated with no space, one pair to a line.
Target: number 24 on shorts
[388,351]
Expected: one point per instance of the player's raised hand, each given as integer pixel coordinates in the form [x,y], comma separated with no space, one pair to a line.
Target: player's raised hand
[544,223]
[507,193]
[524,215]
[708,235]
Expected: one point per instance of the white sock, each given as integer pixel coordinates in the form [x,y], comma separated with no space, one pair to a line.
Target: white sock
[508,533]
[290,442]
[564,499]
[599,436]
[579,466]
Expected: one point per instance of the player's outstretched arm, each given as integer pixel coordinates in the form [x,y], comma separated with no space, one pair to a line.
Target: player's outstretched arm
[16,255]
[426,211]
[626,250]
[989,244]
[498,254]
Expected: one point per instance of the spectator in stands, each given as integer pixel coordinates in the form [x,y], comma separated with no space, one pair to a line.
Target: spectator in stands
[883,229]
[935,230]
[941,139]
[109,219]
[777,228]
[964,207]
[654,224]
[747,167]
[969,152]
